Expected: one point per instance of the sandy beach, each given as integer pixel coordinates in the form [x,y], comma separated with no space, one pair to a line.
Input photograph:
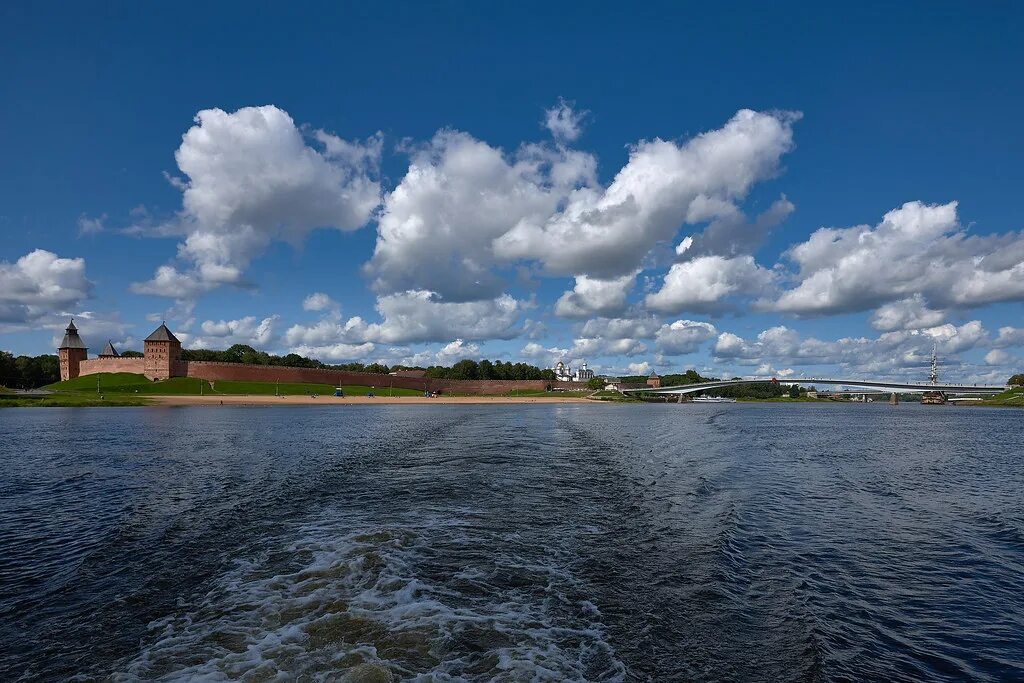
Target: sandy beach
[352,400]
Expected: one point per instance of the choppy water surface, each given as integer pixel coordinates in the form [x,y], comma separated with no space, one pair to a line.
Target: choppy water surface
[570,542]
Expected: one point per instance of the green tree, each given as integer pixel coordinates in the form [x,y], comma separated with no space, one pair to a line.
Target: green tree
[794,391]
[351,367]
[135,354]
[30,375]
[688,377]
[9,374]
[1017,380]
[465,369]
[595,383]
[486,370]
[49,368]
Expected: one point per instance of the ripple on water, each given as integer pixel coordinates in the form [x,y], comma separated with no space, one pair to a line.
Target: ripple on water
[648,543]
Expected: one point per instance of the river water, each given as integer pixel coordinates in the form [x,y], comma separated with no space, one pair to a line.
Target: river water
[756,542]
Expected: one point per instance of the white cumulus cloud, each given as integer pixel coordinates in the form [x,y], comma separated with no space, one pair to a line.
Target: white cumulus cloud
[460,194]
[564,122]
[594,296]
[1009,336]
[38,284]
[91,225]
[684,336]
[903,353]
[906,314]
[339,352]
[318,301]
[606,232]
[707,283]
[220,334]
[917,251]
[416,316]
[642,368]
[999,357]
[252,179]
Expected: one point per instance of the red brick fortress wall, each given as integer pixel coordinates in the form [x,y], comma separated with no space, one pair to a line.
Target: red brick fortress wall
[240,372]
[91,367]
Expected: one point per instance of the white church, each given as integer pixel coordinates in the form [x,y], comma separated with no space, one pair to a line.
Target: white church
[564,373]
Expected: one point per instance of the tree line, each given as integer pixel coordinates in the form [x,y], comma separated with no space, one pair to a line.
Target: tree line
[464,369]
[243,353]
[485,369]
[28,372]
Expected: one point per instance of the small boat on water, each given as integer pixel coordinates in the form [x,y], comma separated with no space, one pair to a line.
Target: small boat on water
[713,399]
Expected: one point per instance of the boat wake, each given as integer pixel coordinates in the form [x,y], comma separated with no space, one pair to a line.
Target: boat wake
[376,605]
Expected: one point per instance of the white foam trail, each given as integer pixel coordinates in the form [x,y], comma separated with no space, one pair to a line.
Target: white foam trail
[360,605]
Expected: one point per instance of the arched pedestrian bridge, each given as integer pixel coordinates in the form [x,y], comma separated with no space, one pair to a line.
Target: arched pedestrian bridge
[878,385]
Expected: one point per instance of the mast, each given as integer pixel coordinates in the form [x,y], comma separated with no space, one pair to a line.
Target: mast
[933,376]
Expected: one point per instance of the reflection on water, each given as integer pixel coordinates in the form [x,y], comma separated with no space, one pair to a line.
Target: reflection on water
[509,543]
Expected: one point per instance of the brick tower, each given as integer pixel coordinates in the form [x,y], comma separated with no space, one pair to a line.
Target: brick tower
[72,351]
[162,352]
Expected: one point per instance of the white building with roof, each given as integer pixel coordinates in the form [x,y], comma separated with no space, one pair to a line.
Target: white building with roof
[564,373]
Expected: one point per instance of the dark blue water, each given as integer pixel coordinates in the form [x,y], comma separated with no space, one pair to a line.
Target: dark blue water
[570,542]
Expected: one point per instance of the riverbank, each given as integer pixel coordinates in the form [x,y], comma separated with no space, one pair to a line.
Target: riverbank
[352,400]
[67,400]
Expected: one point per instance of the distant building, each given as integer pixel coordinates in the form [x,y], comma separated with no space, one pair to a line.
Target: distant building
[564,373]
[653,380]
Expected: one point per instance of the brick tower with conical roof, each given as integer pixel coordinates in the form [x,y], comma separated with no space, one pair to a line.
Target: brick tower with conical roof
[163,354]
[109,351]
[72,352]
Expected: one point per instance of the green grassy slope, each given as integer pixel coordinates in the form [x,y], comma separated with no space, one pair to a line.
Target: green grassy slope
[70,400]
[122,383]
[88,383]
[1011,397]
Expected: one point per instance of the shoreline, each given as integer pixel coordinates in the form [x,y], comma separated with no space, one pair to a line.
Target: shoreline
[58,399]
[241,400]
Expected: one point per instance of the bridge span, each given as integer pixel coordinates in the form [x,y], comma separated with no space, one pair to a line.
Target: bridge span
[880,385]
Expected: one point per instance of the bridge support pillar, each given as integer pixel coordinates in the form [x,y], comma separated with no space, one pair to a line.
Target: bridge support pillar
[680,399]
[894,400]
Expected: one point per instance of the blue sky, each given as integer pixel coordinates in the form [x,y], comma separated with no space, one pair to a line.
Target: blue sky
[642,188]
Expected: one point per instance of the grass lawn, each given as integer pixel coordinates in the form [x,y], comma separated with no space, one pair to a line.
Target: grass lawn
[1012,397]
[547,394]
[69,400]
[124,383]
[611,395]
